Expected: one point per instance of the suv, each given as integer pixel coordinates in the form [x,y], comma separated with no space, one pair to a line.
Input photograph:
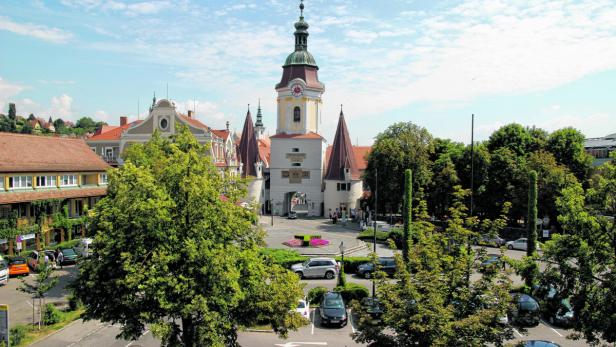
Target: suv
[525,310]
[388,265]
[332,309]
[317,267]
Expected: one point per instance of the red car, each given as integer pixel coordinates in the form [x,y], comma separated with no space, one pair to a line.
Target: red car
[18,266]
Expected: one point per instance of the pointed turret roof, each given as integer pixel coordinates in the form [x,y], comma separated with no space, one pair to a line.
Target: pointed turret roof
[249,149]
[259,122]
[342,156]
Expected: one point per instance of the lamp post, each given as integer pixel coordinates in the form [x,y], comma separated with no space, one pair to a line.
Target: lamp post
[272,211]
[376,188]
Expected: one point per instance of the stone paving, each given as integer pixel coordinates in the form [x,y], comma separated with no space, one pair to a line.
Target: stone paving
[284,229]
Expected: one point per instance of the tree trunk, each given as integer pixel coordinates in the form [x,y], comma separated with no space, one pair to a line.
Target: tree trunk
[188,332]
[33,311]
[407,213]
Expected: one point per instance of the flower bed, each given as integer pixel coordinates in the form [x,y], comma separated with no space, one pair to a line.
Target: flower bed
[306,241]
[319,242]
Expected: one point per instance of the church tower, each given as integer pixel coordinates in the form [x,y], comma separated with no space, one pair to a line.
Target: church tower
[297,150]
[299,90]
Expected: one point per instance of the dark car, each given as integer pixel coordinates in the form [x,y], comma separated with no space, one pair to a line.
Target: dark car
[525,310]
[492,260]
[539,343]
[556,309]
[70,256]
[332,309]
[292,215]
[388,265]
[373,307]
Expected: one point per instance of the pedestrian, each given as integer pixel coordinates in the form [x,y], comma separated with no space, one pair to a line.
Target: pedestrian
[60,259]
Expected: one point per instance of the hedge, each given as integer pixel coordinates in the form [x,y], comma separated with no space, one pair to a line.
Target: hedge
[353,291]
[368,235]
[316,294]
[283,257]
[351,263]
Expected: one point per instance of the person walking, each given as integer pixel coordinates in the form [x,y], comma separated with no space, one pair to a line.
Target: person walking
[60,259]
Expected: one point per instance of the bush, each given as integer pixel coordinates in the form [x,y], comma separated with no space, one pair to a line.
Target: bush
[51,315]
[17,334]
[353,291]
[397,235]
[341,277]
[315,294]
[283,257]
[368,235]
[351,263]
[67,244]
[73,302]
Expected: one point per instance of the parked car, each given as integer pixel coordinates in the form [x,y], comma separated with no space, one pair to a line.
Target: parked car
[373,307]
[388,265]
[292,215]
[18,266]
[492,260]
[70,256]
[485,301]
[495,241]
[303,308]
[4,271]
[332,309]
[556,309]
[525,310]
[539,343]
[520,244]
[563,315]
[317,267]
[84,248]
[33,260]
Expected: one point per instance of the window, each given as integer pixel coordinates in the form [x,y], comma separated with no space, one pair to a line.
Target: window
[20,182]
[109,152]
[5,211]
[296,164]
[163,123]
[297,114]
[46,181]
[68,180]
[344,186]
[295,150]
[103,178]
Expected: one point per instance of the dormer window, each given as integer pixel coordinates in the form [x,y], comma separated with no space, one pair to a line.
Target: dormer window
[163,123]
[297,114]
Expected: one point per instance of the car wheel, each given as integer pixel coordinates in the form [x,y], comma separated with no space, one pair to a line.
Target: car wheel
[300,274]
[367,275]
[329,275]
[510,247]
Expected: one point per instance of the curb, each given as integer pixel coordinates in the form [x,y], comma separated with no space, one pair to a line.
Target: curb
[259,331]
[55,332]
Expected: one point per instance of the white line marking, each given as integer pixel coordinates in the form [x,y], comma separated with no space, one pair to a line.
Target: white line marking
[517,332]
[29,303]
[314,313]
[351,320]
[142,335]
[557,333]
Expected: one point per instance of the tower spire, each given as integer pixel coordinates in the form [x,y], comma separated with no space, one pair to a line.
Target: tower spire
[259,122]
[301,31]
[301,9]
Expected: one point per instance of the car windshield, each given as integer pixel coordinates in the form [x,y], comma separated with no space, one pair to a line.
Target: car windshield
[68,251]
[333,303]
[301,304]
[528,303]
[18,261]
[306,262]
[2,265]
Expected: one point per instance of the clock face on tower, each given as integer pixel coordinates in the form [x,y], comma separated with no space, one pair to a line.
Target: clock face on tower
[297,90]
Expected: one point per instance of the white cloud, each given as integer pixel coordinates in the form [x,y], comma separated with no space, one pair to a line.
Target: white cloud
[127,7]
[7,91]
[205,111]
[42,32]
[61,106]
[57,82]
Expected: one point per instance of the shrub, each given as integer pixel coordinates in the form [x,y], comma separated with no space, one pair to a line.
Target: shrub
[316,294]
[283,257]
[51,315]
[351,263]
[368,235]
[17,334]
[352,291]
[74,303]
[67,244]
[341,277]
[397,235]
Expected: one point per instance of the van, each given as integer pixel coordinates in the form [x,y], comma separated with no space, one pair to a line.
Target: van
[84,248]
[4,271]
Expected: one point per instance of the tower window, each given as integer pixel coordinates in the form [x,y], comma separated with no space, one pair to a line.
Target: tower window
[297,114]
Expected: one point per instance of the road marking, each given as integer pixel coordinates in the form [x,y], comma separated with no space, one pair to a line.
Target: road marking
[351,320]
[517,332]
[29,303]
[100,327]
[557,333]
[142,335]
[314,313]
[297,344]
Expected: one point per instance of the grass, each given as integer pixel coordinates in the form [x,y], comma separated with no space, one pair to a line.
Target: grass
[33,334]
[369,235]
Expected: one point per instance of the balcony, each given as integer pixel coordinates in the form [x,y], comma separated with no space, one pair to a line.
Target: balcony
[111,160]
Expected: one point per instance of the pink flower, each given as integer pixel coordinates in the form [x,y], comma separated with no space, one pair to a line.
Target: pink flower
[319,242]
[293,243]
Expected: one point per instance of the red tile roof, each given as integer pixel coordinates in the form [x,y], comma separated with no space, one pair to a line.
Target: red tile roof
[360,153]
[309,136]
[17,197]
[264,150]
[223,134]
[32,153]
[108,133]
[194,122]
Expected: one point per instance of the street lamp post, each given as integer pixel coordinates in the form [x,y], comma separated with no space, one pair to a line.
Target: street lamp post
[272,211]
[342,262]
[376,188]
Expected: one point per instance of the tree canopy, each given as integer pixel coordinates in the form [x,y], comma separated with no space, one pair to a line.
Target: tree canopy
[170,253]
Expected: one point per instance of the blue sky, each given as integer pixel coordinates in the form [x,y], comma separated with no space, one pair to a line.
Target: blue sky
[545,63]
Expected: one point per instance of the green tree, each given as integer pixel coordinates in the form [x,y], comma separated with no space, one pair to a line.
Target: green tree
[12,111]
[529,268]
[407,213]
[507,182]
[170,253]
[87,124]
[401,146]
[441,188]
[12,116]
[513,136]
[431,303]
[581,263]
[43,283]
[26,128]
[567,146]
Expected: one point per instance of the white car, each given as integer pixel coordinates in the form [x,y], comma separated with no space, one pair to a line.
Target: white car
[4,271]
[303,308]
[521,244]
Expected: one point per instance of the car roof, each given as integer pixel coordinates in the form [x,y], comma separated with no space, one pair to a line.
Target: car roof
[539,343]
[332,294]
[322,258]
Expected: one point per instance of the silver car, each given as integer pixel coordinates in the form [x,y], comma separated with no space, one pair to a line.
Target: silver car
[521,244]
[317,267]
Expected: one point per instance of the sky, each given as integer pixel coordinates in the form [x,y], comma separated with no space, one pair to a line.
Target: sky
[540,63]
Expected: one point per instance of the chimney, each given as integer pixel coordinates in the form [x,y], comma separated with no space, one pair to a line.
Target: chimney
[123,120]
[190,113]
[227,125]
